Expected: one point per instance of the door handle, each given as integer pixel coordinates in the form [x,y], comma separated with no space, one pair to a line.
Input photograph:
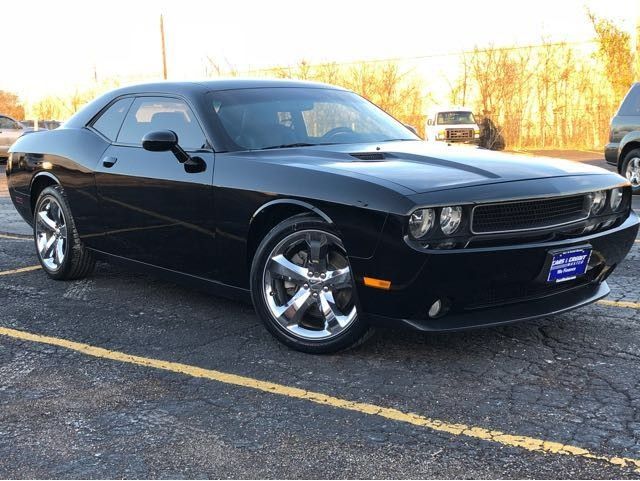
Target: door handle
[109,161]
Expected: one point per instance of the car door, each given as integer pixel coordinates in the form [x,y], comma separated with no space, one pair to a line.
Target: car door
[10,130]
[153,210]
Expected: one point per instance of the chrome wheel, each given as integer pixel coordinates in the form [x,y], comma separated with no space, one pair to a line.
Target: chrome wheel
[307,285]
[51,234]
[632,172]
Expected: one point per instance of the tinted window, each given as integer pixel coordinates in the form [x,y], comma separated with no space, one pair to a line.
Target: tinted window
[455,118]
[110,121]
[631,103]
[7,123]
[272,117]
[148,114]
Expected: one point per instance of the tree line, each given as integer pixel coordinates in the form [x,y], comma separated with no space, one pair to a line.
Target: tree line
[553,95]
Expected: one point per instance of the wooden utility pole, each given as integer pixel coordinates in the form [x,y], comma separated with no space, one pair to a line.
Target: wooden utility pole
[164,53]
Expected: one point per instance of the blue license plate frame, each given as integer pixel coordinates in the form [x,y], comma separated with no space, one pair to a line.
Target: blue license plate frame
[569,264]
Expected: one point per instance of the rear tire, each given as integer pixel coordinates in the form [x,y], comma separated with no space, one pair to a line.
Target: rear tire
[60,250]
[630,168]
[303,289]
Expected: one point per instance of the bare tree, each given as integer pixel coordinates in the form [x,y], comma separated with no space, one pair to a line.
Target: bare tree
[214,68]
[614,50]
[49,108]
[396,91]
[10,105]
[461,88]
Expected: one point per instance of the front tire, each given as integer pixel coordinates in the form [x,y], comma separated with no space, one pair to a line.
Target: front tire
[630,168]
[60,251]
[303,289]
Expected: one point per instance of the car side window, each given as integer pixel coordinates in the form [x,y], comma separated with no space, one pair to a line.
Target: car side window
[7,123]
[108,124]
[631,104]
[148,114]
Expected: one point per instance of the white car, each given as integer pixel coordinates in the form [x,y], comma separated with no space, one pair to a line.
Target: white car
[456,124]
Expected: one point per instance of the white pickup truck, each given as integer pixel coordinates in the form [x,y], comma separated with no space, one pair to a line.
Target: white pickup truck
[456,124]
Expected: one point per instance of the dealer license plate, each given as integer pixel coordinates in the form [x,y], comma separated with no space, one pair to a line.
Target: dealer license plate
[568,265]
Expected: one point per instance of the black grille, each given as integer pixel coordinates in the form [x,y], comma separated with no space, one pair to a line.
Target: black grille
[459,134]
[528,214]
[500,294]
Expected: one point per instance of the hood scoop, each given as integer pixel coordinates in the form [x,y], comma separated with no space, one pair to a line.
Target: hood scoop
[370,156]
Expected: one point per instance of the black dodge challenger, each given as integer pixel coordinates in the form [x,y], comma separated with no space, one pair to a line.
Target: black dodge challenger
[325,211]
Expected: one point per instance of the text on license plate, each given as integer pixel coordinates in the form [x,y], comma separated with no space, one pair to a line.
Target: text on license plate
[568,265]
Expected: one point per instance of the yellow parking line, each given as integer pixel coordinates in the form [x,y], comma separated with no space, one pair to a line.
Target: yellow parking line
[18,271]
[14,237]
[625,304]
[515,441]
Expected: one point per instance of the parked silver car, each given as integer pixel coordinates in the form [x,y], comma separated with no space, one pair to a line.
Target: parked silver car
[10,130]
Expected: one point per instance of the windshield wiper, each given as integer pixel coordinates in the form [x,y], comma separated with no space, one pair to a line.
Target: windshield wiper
[297,144]
[396,140]
[285,146]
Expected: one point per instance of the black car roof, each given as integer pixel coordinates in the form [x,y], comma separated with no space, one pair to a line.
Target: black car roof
[189,88]
[225,84]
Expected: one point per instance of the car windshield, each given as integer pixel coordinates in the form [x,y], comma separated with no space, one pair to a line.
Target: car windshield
[455,118]
[280,117]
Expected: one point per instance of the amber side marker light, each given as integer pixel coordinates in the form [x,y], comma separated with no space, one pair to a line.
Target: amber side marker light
[377,283]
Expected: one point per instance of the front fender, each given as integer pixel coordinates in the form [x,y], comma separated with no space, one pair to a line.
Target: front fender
[356,207]
[292,202]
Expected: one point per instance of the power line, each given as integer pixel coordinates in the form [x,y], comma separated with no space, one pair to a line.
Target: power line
[428,56]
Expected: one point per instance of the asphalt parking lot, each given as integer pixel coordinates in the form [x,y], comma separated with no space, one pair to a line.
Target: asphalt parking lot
[124,375]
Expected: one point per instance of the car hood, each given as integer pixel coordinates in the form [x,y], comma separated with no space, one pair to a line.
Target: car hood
[426,167]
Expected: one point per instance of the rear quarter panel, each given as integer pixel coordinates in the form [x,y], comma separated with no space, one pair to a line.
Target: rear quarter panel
[67,155]
[621,126]
[630,141]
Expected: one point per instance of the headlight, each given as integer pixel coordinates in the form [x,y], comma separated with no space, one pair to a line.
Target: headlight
[450,218]
[421,222]
[616,199]
[442,135]
[598,200]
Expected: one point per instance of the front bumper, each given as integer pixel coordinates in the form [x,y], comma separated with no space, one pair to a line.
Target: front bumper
[460,141]
[611,153]
[483,286]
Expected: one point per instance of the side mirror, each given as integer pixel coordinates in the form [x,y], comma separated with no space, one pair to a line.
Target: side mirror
[429,121]
[160,141]
[167,140]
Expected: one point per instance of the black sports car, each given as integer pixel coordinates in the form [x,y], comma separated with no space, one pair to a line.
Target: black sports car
[328,213]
